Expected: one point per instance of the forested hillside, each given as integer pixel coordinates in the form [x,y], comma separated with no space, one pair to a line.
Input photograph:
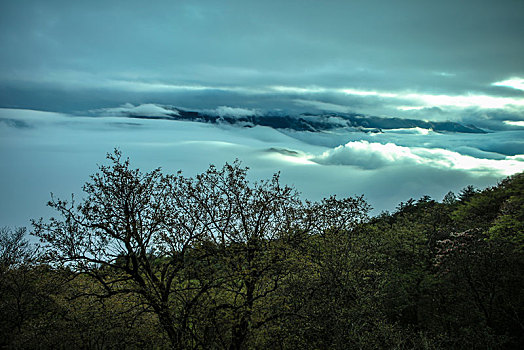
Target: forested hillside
[160,261]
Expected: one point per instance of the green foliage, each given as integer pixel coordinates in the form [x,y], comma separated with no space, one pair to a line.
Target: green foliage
[216,262]
[509,224]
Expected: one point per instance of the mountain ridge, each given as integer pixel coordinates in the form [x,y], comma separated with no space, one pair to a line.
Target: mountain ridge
[311,122]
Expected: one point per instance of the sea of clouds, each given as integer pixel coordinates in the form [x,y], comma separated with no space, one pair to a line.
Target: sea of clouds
[44,152]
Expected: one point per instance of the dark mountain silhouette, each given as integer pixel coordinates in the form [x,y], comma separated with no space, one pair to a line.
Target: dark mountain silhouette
[315,122]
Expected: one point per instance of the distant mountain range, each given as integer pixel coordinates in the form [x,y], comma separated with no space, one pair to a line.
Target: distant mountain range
[313,122]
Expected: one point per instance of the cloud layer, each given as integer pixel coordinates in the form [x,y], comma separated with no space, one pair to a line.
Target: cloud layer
[44,152]
[143,110]
[408,59]
[368,155]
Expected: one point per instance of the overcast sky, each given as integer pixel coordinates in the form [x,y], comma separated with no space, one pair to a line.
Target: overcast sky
[362,55]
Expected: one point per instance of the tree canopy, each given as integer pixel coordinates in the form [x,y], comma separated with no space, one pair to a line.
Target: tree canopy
[154,260]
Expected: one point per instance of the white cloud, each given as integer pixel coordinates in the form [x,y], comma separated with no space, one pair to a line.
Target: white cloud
[144,86]
[369,93]
[30,115]
[422,100]
[298,89]
[409,100]
[57,154]
[225,111]
[143,110]
[334,121]
[465,101]
[410,131]
[373,155]
[289,156]
[493,145]
[380,101]
[515,83]
[367,155]
[514,122]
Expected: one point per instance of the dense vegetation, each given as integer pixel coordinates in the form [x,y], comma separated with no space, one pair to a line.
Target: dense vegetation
[214,262]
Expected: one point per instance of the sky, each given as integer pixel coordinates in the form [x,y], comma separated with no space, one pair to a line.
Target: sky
[67,66]
[349,53]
